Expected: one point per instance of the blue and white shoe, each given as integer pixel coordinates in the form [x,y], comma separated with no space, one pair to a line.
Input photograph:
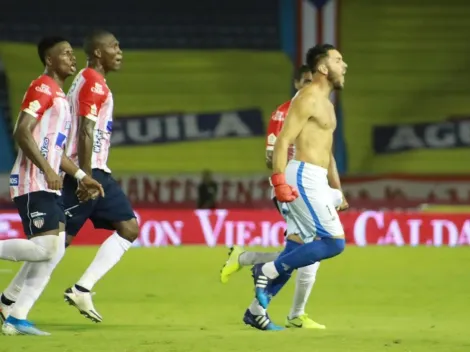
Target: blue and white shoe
[260,322]
[13,326]
[262,285]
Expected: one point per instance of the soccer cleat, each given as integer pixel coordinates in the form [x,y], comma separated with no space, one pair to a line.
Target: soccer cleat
[262,285]
[83,302]
[13,326]
[303,322]
[4,312]
[260,322]
[232,265]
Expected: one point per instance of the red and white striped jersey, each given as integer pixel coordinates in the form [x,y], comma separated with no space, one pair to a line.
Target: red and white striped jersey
[45,101]
[275,126]
[90,98]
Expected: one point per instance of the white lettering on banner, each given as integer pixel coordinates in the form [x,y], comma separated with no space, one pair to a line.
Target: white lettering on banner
[405,137]
[360,226]
[435,135]
[415,226]
[438,231]
[161,233]
[393,235]
[241,233]
[6,229]
[229,124]
[464,238]
[211,234]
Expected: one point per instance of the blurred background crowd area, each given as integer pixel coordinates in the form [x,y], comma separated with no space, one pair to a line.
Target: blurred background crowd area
[201,78]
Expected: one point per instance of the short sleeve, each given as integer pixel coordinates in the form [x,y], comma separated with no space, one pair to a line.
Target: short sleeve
[38,99]
[274,127]
[90,98]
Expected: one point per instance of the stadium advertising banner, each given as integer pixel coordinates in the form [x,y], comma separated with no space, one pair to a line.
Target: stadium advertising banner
[178,127]
[266,227]
[205,83]
[402,138]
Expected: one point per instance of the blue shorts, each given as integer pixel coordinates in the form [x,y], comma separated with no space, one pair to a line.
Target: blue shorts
[103,212]
[40,212]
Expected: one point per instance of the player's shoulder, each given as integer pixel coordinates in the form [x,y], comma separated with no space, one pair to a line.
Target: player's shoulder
[45,85]
[284,107]
[95,80]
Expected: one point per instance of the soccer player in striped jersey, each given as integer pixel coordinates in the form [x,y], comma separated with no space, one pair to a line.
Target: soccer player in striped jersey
[41,132]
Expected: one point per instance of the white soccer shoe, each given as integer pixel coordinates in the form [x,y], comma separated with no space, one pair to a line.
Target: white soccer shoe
[83,302]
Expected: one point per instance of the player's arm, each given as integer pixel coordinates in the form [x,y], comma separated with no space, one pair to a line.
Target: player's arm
[334,180]
[274,127]
[333,175]
[89,104]
[92,188]
[23,136]
[85,143]
[35,102]
[301,109]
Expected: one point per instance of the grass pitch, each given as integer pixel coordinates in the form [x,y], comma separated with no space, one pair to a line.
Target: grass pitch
[169,299]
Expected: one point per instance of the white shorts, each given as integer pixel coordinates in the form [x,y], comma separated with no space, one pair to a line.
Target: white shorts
[336,198]
[313,213]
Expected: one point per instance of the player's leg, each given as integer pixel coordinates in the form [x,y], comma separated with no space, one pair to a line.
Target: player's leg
[314,214]
[305,280]
[238,257]
[112,212]
[45,227]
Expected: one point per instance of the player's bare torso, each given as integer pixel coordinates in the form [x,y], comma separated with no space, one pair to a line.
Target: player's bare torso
[314,142]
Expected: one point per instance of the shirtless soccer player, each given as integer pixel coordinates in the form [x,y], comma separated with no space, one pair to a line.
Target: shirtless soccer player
[314,231]
[255,315]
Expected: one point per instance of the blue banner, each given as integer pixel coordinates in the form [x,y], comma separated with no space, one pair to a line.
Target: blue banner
[178,127]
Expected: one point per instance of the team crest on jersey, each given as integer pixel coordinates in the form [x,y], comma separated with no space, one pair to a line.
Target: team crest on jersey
[98,89]
[34,106]
[272,139]
[44,88]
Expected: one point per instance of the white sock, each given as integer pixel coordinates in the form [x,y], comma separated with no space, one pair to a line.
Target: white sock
[303,287]
[256,309]
[14,289]
[269,269]
[108,255]
[36,276]
[251,258]
[36,249]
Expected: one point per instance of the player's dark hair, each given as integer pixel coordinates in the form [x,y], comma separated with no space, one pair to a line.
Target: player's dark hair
[46,44]
[316,54]
[92,39]
[299,72]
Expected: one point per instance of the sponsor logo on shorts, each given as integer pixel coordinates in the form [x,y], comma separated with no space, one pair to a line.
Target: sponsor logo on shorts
[14,180]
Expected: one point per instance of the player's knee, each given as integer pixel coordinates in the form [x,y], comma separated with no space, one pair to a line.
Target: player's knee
[335,246]
[48,246]
[128,230]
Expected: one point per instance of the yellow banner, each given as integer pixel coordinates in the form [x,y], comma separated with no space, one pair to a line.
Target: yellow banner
[181,81]
[404,67]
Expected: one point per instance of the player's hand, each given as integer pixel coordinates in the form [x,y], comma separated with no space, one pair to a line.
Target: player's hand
[90,186]
[344,205]
[284,192]
[54,181]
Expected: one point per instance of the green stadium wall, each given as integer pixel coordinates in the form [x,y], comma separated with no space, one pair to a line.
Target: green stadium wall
[408,63]
[182,81]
